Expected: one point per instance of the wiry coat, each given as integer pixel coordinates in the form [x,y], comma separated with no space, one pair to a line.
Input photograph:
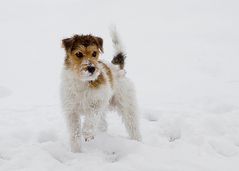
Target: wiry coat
[93,99]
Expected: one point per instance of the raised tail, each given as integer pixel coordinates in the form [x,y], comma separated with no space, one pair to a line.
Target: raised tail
[119,56]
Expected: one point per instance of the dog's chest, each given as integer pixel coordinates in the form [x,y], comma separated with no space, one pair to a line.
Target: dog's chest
[76,93]
[91,99]
[94,99]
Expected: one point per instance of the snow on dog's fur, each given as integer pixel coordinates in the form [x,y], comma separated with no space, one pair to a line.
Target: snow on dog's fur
[90,87]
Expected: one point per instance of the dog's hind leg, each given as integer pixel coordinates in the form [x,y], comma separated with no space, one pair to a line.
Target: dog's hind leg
[126,105]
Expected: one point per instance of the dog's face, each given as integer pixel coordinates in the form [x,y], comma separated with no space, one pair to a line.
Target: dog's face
[82,55]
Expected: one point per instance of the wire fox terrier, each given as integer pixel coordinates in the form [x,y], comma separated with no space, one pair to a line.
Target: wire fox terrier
[90,87]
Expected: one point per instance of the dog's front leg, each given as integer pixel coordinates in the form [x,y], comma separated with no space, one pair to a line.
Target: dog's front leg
[74,125]
[89,127]
[102,124]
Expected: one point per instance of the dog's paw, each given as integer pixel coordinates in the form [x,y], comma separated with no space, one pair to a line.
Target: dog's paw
[75,147]
[88,136]
[136,136]
[87,139]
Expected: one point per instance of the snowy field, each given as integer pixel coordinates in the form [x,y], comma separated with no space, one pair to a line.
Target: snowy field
[183,57]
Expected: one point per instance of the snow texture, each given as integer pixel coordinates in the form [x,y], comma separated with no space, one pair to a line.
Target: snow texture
[181,55]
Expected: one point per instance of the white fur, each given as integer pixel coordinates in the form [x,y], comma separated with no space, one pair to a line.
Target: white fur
[118,47]
[78,99]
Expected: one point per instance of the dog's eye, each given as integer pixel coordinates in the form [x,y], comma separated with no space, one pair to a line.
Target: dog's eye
[94,54]
[79,54]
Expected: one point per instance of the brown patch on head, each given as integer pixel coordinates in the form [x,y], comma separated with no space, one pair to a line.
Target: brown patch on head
[81,48]
[72,43]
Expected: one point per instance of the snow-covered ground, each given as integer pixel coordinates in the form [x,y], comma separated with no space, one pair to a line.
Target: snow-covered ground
[182,55]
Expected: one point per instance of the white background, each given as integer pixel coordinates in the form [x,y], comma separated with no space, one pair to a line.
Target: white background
[181,55]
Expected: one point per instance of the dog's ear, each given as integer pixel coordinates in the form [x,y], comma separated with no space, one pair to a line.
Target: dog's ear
[99,41]
[67,43]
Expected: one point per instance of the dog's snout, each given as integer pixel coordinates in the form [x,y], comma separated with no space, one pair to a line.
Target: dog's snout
[91,69]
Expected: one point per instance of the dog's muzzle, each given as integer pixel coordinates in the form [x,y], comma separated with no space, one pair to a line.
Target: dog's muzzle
[91,69]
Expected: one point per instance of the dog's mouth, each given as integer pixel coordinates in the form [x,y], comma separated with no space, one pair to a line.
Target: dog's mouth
[86,75]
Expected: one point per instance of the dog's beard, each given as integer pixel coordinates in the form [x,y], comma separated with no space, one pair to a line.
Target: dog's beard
[87,76]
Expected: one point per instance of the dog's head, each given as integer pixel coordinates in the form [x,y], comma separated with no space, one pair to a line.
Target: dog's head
[82,55]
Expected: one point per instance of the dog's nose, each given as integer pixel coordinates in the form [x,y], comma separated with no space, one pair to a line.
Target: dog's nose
[91,69]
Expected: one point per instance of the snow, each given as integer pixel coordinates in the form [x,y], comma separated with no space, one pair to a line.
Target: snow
[182,57]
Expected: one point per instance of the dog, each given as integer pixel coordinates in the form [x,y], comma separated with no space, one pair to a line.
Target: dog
[90,87]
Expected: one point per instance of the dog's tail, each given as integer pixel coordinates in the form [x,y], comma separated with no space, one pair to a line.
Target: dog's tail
[119,57]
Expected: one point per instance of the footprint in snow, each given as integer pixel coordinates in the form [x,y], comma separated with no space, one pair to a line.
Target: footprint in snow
[47,135]
[224,147]
[152,116]
[112,157]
